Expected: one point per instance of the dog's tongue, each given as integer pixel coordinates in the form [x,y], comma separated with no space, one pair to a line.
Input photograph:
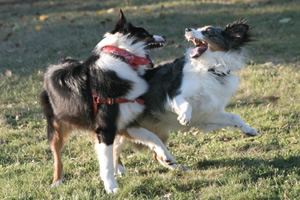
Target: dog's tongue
[198,51]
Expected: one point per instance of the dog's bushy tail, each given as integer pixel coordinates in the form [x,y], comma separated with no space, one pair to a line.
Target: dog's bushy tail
[48,111]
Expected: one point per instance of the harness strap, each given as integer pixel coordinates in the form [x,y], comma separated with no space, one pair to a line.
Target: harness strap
[133,61]
[111,101]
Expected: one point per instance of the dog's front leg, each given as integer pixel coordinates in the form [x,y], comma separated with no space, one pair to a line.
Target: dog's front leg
[224,120]
[182,108]
[105,157]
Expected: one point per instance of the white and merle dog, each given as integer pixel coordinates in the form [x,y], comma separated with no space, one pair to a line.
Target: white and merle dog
[101,95]
[193,90]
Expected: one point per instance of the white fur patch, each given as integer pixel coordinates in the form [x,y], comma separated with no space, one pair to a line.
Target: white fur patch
[105,158]
[56,183]
[206,93]
[129,112]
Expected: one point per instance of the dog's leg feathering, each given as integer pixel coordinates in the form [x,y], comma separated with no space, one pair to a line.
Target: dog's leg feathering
[224,120]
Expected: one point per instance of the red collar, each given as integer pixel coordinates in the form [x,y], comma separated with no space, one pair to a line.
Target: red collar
[132,60]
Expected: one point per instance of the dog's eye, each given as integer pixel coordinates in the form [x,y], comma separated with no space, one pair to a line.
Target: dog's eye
[208,31]
[205,32]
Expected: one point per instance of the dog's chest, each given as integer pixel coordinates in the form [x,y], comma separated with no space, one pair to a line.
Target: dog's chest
[206,93]
[128,112]
[138,85]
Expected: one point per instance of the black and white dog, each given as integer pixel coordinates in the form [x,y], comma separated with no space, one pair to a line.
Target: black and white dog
[194,90]
[101,95]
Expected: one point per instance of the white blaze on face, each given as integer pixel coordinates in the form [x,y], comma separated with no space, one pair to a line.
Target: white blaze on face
[194,34]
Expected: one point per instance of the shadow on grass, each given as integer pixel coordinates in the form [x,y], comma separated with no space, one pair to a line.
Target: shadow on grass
[253,165]
[153,187]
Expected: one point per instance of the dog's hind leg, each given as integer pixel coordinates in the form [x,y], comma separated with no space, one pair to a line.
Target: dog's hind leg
[143,136]
[57,137]
[224,120]
[119,143]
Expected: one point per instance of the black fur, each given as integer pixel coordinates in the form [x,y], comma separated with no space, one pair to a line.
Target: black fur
[237,34]
[234,36]
[71,97]
[48,111]
[163,80]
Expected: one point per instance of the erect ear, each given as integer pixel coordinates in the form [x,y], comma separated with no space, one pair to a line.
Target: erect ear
[121,24]
[237,29]
[122,18]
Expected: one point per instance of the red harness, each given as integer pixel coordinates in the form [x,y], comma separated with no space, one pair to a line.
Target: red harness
[133,61]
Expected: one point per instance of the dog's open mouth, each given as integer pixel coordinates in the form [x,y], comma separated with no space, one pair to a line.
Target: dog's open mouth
[201,47]
[154,45]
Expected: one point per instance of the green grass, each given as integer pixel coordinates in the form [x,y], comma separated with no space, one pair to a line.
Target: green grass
[223,165]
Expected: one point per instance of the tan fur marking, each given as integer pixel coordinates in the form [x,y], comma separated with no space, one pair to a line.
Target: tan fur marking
[213,46]
[124,133]
[59,138]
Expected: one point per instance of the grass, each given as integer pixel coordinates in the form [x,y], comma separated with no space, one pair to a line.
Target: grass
[223,165]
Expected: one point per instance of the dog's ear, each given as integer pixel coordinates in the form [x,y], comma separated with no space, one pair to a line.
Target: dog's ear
[238,33]
[237,29]
[122,20]
[121,25]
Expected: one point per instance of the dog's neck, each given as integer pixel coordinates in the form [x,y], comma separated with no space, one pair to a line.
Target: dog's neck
[132,60]
[122,41]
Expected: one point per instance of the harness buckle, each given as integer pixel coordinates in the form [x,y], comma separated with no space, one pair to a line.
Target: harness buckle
[111,101]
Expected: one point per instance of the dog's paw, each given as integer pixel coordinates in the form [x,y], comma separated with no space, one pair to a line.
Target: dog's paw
[110,186]
[171,165]
[249,131]
[56,183]
[184,118]
[166,160]
[111,191]
[168,164]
